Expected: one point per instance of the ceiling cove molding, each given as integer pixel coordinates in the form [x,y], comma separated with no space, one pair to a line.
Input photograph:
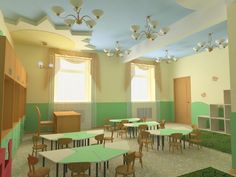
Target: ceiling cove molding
[202,18]
[45,18]
[81,39]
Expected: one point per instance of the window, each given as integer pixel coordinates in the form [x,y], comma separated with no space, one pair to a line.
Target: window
[142,82]
[72,80]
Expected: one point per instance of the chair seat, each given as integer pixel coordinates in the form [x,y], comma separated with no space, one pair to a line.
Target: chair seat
[40,172]
[40,146]
[108,138]
[122,169]
[138,154]
[46,122]
[194,141]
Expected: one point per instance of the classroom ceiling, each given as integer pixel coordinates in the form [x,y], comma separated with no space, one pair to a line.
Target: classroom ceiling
[37,19]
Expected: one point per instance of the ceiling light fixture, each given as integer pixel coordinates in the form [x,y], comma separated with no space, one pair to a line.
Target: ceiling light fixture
[167,58]
[150,30]
[72,19]
[210,45]
[118,51]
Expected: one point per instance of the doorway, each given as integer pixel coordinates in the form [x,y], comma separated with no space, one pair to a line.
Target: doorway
[182,100]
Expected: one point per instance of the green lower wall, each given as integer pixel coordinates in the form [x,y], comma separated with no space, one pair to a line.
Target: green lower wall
[165,110]
[233,138]
[16,135]
[113,110]
[199,108]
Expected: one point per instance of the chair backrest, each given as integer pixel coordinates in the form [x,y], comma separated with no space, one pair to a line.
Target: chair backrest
[32,161]
[162,123]
[144,119]
[106,121]
[64,142]
[129,160]
[142,128]
[9,150]
[78,168]
[124,121]
[144,134]
[194,127]
[99,138]
[176,137]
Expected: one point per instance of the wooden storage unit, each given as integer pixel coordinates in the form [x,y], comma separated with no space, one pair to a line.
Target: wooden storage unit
[219,119]
[12,88]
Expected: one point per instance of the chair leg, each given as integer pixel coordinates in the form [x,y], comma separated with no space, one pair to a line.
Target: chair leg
[134,174]
[116,174]
[141,161]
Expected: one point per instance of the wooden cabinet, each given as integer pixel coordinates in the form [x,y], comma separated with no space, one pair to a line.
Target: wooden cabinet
[10,62]
[66,121]
[12,88]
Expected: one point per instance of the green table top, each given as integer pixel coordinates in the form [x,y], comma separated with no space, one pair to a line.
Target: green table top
[74,135]
[129,119]
[136,124]
[94,153]
[169,131]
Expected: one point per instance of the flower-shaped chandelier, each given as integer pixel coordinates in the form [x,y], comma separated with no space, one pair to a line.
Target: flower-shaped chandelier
[76,18]
[210,45]
[118,51]
[167,58]
[150,30]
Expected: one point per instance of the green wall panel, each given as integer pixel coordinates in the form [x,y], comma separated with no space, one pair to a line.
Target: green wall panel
[166,110]
[233,138]
[199,108]
[31,121]
[16,135]
[115,110]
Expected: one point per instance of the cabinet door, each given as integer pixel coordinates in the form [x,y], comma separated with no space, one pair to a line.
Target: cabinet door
[9,60]
[18,70]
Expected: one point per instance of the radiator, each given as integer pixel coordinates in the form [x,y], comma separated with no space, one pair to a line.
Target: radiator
[144,112]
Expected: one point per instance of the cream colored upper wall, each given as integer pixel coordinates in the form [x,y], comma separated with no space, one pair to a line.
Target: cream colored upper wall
[30,55]
[4,29]
[232,51]
[201,68]
[112,73]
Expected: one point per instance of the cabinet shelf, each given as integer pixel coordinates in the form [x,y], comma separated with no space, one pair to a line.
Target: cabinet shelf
[219,118]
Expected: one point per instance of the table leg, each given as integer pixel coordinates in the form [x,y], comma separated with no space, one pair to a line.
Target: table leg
[42,140]
[82,142]
[43,161]
[96,169]
[88,142]
[184,141]
[107,164]
[55,144]
[163,142]
[64,170]
[74,143]
[104,172]
[90,171]
[158,142]
[51,145]
[57,169]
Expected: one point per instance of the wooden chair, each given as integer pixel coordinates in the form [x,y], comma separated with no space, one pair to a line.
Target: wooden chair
[107,124]
[175,142]
[39,172]
[36,146]
[122,130]
[42,123]
[141,128]
[194,138]
[144,119]
[162,124]
[110,138]
[79,169]
[139,154]
[128,168]
[64,143]
[100,139]
[146,139]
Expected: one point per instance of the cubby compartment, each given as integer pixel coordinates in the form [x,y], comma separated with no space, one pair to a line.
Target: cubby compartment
[204,122]
[218,125]
[227,127]
[227,96]
[227,111]
[216,110]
